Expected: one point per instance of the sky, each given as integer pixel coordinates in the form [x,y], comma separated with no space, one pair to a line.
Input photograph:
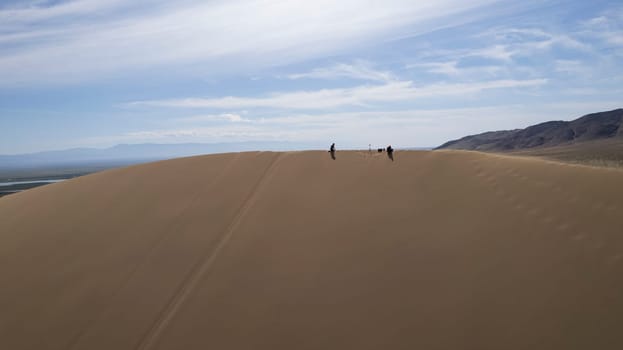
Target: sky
[96,73]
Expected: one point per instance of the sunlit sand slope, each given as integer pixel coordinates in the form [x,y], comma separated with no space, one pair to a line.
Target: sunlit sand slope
[435,250]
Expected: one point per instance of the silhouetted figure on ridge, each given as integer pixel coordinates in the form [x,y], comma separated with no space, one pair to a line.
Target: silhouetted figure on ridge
[332,151]
[390,152]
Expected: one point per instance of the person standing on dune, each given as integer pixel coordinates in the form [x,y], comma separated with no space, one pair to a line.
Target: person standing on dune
[390,152]
[332,151]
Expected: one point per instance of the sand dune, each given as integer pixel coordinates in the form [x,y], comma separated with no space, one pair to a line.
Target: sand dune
[436,250]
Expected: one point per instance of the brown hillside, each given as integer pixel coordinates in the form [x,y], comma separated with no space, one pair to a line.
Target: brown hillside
[436,250]
[591,127]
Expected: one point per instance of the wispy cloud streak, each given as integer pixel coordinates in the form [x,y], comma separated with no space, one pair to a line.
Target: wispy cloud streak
[359,70]
[335,98]
[232,33]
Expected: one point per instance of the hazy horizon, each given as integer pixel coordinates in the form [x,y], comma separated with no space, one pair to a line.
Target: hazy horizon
[97,73]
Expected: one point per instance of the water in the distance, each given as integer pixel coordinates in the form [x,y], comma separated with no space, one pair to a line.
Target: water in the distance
[30,182]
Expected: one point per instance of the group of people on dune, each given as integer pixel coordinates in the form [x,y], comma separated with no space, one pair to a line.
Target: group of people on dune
[389,150]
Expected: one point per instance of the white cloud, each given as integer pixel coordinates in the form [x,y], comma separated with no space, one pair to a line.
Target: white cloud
[445,68]
[502,44]
[335,98]
[571,66]
[401,128]
[496,52]
[360,70]
[503,50]
[347,128]
[230,117]
[455,71]
[607,28]
[41,10]
[526,40]
[216,35]
[233,133]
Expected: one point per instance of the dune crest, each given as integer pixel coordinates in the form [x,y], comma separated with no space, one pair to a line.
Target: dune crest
[263,250]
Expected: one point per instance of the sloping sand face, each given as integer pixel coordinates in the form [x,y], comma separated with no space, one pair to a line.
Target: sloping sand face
[435,250]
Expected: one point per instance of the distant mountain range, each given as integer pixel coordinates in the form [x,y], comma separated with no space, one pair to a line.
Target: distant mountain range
[127,154]
[591,127]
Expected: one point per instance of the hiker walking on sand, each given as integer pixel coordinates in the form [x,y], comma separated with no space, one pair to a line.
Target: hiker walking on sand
[332,151]
[390,152]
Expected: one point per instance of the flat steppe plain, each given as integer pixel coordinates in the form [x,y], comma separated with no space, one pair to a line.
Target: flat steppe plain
[262,250]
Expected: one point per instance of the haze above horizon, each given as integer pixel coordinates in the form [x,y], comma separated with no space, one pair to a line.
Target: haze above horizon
[95,73]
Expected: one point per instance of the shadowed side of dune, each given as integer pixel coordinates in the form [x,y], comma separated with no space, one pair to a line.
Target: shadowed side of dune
[436,250]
